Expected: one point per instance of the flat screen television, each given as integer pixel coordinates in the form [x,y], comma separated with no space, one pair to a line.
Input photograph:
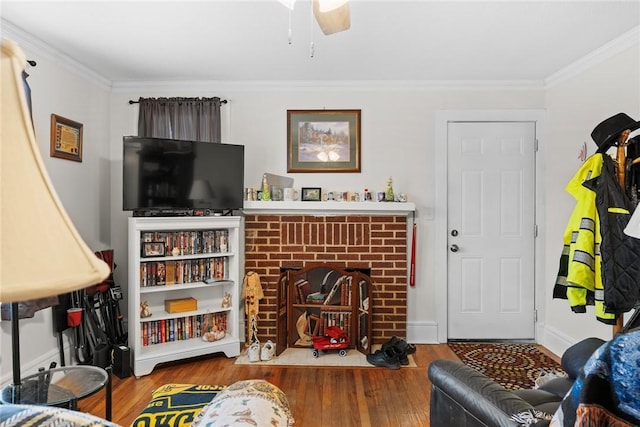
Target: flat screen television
[168,175]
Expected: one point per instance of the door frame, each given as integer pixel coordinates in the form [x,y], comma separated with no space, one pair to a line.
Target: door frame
[443,118]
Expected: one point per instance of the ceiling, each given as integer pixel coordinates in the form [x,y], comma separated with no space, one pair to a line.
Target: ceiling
[218,40]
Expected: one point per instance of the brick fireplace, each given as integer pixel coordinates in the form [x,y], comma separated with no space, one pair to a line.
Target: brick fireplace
[377,242]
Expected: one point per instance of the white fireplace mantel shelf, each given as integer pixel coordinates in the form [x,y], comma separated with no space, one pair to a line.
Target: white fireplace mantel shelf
[330,208]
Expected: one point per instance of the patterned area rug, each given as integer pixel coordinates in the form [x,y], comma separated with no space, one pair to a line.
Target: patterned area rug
[514,366]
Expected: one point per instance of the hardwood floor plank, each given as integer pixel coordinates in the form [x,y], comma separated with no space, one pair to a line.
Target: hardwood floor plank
[318,396]
[362,405]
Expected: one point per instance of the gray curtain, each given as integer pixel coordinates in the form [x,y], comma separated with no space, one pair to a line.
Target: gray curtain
[192,119]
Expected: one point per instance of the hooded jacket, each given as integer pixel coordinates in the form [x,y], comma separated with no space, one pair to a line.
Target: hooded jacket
[579,277]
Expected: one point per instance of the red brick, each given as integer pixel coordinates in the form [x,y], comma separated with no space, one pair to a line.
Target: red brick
[376,242]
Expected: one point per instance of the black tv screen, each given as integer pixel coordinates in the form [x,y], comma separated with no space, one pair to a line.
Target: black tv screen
[168,174]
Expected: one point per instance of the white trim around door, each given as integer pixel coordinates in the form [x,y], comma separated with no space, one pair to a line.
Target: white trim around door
[444,117]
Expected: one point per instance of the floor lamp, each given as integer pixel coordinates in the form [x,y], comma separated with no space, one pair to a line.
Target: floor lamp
[41,252]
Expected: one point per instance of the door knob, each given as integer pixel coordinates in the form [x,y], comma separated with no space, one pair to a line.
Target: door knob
[454,248]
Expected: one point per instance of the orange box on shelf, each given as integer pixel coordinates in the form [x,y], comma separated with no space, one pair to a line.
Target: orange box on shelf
[180,305]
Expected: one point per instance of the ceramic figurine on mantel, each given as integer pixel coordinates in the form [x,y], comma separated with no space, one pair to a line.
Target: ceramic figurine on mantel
[266,194]
[389,193]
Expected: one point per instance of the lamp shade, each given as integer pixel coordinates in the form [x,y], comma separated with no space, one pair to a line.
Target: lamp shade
[41,252]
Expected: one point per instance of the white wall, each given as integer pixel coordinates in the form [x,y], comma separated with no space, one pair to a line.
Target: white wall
[398,137]
[82,187]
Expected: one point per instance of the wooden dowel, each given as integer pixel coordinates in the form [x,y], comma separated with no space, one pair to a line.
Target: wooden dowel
[621,160]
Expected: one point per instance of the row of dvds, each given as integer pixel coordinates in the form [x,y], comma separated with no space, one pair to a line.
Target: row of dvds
[179,272]
[184,328]
[178,243]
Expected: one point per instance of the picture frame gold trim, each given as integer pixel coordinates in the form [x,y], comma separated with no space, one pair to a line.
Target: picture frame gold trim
[66,138]
[323,141]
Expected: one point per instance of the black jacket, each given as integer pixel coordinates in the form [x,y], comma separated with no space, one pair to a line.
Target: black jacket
[620,253]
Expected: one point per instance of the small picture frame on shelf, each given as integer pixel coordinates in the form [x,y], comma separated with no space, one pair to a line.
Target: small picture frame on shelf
[311,194]
[152,249]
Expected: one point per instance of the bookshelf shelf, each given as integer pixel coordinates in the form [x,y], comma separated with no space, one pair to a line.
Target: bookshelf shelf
[174,258]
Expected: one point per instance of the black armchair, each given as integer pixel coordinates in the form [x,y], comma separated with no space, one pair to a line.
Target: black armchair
[464,397]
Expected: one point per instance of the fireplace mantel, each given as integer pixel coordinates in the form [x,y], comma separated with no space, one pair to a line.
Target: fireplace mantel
[330,208]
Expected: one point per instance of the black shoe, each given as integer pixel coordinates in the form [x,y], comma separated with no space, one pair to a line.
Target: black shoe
[401,348]
[387,358]
[410,348]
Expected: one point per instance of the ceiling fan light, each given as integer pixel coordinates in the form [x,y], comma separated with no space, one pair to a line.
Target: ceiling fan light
[335,20]
[329,5]
[288,3]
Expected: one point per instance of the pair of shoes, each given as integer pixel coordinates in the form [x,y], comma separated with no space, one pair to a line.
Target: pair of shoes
[268,351]
[254,352]
[401,348]
[384,357]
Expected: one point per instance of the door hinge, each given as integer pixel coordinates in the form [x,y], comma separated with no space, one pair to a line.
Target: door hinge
[535,230]
[537,145]
[535,316]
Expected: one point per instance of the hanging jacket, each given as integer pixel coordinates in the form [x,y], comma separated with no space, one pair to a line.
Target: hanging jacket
[620,253]
[579,277]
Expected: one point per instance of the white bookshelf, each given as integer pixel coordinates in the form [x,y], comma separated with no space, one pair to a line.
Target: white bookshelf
[152,348]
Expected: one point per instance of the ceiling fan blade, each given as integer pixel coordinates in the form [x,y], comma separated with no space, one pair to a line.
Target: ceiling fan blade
[333,21]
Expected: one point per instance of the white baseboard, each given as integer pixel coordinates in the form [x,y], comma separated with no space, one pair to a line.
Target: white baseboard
[554,340]
[422,332]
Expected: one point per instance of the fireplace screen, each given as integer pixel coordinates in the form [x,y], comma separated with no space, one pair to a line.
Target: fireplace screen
[323,296]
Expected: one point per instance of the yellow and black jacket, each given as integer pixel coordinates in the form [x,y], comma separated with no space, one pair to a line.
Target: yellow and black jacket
[579,277]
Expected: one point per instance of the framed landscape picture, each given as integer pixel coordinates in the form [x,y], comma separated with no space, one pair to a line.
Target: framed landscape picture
[323,140]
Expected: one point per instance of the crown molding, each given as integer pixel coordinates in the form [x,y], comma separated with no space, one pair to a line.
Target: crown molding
[614,47]
[313,86]
[35,46]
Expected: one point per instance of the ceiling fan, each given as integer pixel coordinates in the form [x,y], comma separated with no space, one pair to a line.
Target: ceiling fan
[332,16]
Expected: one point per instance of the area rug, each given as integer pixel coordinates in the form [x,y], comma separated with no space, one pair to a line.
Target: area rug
[514,366]
[304,357]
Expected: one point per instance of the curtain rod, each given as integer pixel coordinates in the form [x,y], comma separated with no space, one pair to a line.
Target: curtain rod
[222,101]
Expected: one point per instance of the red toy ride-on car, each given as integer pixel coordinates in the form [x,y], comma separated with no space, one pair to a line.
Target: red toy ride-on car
[334,339]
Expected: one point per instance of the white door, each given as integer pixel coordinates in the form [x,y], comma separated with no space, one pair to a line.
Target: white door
[491,227]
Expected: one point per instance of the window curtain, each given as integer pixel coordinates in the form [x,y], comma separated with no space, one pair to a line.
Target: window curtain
[192,119]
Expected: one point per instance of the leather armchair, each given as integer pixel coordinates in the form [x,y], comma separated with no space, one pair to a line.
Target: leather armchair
[464,397]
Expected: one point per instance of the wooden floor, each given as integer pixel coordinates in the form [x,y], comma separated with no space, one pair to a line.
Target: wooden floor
[317,396]
[321,396]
